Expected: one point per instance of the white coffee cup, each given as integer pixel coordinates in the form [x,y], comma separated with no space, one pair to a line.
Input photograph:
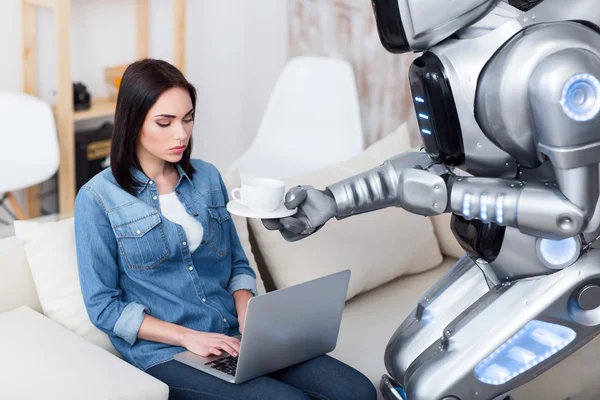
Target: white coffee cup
[260,194]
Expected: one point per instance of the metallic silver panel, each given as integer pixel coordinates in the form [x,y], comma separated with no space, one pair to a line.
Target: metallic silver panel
[463,61]
[452,294]
[549,78]
[400,181]
[495,318]
[535,209]
[518,258]
[561,10]
[428,22]
[584,196]
[503,106]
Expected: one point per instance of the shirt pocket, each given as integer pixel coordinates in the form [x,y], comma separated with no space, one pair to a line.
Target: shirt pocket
[142,242]
[220,226]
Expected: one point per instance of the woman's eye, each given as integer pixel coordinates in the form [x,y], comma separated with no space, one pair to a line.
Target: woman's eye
[187,121]
[162,125]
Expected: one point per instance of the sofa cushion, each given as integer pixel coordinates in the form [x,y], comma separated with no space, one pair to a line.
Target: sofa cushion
[377,246]
[232,180]
[16,284]
[50,250]
[370,320]
[43,360]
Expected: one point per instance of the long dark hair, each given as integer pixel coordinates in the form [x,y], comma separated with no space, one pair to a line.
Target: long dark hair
[142,84]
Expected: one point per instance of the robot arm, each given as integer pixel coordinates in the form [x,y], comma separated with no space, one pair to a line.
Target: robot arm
[535,209]
[409,181]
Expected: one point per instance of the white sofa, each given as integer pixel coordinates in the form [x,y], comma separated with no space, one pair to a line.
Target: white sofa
[49,350]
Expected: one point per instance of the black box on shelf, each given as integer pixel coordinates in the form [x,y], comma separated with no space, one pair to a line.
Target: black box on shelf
[92,151]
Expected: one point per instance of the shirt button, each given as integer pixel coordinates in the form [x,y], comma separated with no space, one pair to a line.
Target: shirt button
[203,242]
[155,198]
[178,192]
[191,268]
[184,243]
[151,182]
[204,300]
[224,319]
[138,231]
[195,215]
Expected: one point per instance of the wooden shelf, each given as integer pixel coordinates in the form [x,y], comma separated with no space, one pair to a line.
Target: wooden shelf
[63,111]
[101,107]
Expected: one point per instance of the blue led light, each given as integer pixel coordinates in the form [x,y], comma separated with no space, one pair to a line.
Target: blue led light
[426,131]
[423,116]
[466,208]
[580,98]
[483,207]
[533,344]
[559,252]
[419,99]
[500,209]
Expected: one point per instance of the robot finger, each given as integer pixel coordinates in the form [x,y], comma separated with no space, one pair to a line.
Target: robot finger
[296,196]
[290,236]
[293,225]
[272,224]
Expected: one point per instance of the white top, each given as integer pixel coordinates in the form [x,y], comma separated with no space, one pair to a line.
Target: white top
[174,211]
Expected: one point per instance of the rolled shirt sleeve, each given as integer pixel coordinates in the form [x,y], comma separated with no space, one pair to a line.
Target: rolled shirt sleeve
[128,324]
[242,282]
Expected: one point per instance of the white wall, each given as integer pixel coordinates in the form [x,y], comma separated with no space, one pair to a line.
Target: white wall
[234,55]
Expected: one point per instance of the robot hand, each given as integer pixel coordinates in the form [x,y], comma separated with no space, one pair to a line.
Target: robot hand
[315,208]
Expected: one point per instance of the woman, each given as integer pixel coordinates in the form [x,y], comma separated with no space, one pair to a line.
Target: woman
[161,266]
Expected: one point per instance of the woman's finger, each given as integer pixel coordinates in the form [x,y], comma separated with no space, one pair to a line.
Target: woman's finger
[228,348]
[235,343]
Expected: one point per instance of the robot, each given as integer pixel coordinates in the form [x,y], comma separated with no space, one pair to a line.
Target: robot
[507,96]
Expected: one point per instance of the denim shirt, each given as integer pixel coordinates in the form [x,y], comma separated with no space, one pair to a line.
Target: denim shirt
[133,261]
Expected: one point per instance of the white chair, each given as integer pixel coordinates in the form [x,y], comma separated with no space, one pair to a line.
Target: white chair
[29,152]
[312,120]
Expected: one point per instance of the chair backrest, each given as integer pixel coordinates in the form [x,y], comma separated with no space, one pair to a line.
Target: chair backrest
[312,120]
[29,152]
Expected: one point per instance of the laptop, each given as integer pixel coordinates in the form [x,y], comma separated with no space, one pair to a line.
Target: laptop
[282,328]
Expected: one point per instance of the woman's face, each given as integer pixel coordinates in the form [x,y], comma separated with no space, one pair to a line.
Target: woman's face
[167,128]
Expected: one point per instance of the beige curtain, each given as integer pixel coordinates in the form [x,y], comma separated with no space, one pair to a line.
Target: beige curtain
[346,29]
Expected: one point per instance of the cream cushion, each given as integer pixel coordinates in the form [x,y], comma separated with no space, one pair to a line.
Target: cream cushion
[42,360]
[16,284]
[232,180]
[50,250]
[377,247]
[448,243]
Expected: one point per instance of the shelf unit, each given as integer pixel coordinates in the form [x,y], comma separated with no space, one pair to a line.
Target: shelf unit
[64,114]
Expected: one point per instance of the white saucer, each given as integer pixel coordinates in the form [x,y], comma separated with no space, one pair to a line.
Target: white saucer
[236,208]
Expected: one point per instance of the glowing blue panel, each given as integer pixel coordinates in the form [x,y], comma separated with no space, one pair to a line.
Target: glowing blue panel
[467,205]
[580,97]
[558,252]
[419,100]
[426,131]
[533,344]
[423,116]
[500,209]
[483,207]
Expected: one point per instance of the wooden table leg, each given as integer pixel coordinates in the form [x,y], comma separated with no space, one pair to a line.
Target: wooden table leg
[15,206]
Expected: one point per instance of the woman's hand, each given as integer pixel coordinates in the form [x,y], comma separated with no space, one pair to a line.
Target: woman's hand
[241,298]
[205,344]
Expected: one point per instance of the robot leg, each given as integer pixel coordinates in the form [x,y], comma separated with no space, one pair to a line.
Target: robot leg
[510,335]
[451,295]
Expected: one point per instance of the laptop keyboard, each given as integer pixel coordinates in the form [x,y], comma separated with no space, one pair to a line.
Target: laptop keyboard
[227,364]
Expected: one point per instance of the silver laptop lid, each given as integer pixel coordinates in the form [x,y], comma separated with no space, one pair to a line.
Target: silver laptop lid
[292,325]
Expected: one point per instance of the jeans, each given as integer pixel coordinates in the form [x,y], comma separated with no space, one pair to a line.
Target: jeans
[321,378]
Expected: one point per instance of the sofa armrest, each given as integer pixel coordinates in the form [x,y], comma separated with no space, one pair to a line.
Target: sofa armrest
[42,359]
